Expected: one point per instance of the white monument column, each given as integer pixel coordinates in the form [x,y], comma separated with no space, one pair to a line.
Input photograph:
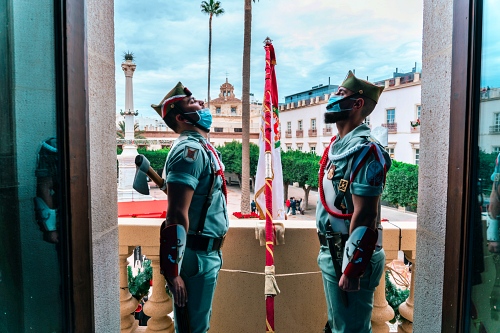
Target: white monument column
[127,157]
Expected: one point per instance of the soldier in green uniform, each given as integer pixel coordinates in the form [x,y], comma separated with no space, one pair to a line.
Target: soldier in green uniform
[493,219]
[197,218]
[351,179]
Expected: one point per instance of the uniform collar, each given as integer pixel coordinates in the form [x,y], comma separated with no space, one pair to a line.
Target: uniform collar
[360,131]
[193,134]
[341,148]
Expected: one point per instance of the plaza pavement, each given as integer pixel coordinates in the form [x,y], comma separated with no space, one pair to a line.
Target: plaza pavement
[234,204]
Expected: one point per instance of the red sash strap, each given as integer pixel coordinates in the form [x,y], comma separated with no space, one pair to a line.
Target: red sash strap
[323,162]
[220,172]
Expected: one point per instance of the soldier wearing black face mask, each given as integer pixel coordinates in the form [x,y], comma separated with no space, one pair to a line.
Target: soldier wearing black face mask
[351,179]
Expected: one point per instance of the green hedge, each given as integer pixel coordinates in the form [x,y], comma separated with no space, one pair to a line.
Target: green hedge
[157,158]
[401,187]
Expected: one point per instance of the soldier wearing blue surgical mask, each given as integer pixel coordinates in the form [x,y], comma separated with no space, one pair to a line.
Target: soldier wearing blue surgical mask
[351,180]
[197,219]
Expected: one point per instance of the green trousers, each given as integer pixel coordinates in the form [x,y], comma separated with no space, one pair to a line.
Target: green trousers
[200,270]
[355,318]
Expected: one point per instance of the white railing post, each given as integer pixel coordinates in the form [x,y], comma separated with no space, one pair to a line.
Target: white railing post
[406,308]
[128,303]
[382,311]
[159,305]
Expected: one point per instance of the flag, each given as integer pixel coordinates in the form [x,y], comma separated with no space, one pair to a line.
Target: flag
[269,178]
[270,106]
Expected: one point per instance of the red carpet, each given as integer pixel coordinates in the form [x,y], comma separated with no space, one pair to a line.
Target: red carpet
[152,209]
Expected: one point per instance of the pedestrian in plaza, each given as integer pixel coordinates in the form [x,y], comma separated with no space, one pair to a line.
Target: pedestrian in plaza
[287,204]
[253,206]
[298,204]
[197,220]
[293,205]
[351,179]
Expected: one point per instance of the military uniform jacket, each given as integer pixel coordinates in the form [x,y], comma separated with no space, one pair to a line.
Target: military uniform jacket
[495,176]
[367,177]
[190,164]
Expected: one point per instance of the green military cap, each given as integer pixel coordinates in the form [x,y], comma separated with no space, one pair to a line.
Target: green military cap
[362,87]
[174,95]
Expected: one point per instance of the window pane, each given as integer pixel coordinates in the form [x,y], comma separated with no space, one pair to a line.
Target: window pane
[484,259]
[391,115]
[30,181]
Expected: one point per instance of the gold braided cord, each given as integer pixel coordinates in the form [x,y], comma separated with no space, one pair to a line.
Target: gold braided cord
[401,277]
[269,248]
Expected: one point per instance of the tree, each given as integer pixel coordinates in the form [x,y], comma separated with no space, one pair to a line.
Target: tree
[121,132]
[302,168]
[231,156]
[211,8]
[245,112]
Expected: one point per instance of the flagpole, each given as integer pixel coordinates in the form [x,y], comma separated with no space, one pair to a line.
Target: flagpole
[268,192]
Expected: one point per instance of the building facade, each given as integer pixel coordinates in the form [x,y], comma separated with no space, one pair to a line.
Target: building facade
[303,127]
[489,135]
[226,124]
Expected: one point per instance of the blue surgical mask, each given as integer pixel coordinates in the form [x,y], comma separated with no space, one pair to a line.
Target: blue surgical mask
[333,104]
[205,120]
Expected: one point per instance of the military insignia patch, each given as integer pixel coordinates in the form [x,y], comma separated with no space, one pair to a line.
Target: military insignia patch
[190,154]
[496,179]
[375,173]
[331,172]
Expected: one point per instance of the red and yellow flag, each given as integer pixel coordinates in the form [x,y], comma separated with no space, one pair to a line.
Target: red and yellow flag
[269,194]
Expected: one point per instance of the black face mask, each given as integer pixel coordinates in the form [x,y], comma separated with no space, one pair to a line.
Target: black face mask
[333,117]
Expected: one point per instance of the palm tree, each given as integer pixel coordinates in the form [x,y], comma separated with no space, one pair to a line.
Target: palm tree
[245,112]
[121,132]
[211,8]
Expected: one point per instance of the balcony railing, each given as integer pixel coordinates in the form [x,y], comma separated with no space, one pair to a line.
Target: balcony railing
[495,129]
[239,301]
[391,127]
[327,131]
[288,134]
[312,133]
[299,133]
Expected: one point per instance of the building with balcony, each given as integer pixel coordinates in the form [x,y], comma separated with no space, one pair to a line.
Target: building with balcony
[489,136]
[398,110]
[226,127]
[76,282]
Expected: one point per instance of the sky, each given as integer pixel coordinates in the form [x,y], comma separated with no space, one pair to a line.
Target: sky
[316,42]
[490,56]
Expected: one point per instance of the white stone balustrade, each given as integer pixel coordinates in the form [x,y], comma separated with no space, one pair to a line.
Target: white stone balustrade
[239,301]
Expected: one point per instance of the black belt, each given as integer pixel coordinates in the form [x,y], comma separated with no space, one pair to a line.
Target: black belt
[324,242]
[203,243]
[322,239]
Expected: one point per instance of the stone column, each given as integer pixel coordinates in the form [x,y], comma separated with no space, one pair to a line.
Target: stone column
[128,303]
[159,305]
[127,157]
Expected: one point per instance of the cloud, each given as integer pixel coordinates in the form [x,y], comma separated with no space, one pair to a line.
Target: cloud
[314,41]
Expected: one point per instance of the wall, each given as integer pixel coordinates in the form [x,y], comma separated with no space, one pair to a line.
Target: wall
[33,89]
[403,99]
[434,145]
[102,153]
[300,307]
